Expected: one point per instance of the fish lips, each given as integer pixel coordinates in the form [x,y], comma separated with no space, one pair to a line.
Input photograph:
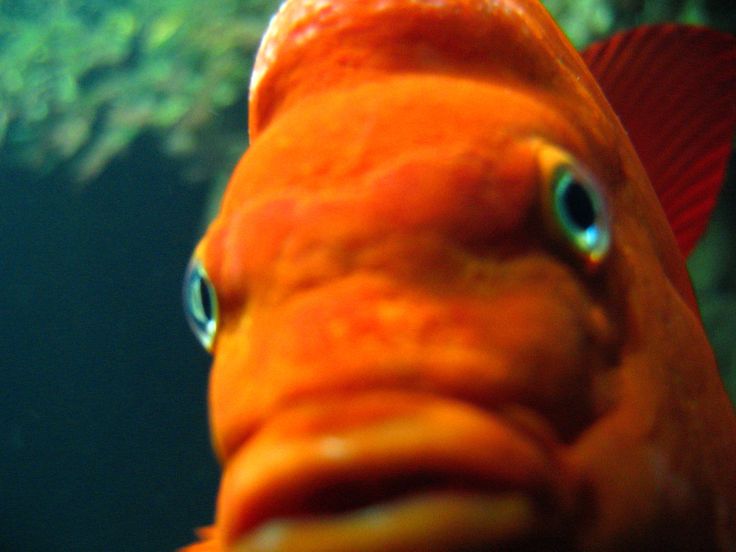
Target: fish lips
[390,470]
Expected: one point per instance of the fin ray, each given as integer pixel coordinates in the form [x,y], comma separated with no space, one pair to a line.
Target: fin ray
[674,89]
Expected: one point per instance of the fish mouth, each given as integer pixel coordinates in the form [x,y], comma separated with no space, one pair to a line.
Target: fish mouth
[395,471]
[430,522]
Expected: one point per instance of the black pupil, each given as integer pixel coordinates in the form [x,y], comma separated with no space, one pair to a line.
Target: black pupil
[579,206]
[206,300]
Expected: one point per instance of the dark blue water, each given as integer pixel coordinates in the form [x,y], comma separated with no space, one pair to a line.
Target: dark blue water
[104,439]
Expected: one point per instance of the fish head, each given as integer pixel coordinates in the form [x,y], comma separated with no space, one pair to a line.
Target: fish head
[450,311]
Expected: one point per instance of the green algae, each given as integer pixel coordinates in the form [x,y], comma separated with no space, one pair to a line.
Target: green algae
[80,83]
[81,80]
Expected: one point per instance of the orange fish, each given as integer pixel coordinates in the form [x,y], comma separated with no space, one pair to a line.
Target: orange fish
[444,293]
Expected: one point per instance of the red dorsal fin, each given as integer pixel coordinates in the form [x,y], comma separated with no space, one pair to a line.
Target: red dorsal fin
[674,89]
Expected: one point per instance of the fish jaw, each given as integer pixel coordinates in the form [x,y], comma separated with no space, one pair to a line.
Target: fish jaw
[383,461]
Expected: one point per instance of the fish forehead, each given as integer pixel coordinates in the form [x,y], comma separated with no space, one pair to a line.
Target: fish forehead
[311,47]
[315,49]
[421,153]
[335,141]
[298,22]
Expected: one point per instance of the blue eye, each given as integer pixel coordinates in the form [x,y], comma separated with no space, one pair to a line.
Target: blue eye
[200,303]
[579,210]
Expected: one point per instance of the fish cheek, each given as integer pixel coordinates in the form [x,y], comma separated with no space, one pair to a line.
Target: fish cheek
[233,398]
[230,266]
[649,458]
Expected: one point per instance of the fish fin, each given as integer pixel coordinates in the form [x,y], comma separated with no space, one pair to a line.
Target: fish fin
[674,90]
[208,541]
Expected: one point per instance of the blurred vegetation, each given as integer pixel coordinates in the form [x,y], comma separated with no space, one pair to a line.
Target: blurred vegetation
[713,269]
[587,20]
[81,80]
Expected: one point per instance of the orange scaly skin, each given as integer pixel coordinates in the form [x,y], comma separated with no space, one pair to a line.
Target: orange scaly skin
[400,327]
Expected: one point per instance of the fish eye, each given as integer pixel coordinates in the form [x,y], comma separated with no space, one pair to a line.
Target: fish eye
[577,211]
[200,303]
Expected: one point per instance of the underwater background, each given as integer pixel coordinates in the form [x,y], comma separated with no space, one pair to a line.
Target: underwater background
[119,121]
